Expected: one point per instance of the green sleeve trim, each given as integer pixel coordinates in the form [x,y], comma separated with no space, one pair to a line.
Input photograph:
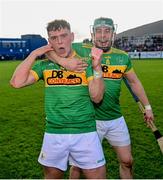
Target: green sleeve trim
[130,70]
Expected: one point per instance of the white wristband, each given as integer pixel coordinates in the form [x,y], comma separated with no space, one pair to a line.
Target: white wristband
[148,107]
[97,74]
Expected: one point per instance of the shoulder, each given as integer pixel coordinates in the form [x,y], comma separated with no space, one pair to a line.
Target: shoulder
[42,64]
[87,45]
[82,45]
[118,51]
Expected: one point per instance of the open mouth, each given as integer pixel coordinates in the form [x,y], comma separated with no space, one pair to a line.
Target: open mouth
[103,43]
[62,50]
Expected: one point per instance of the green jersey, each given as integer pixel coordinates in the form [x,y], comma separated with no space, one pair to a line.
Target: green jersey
[115,64]
[68,106]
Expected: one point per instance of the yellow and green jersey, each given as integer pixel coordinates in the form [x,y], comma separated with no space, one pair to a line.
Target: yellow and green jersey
[115,64]
[68,106]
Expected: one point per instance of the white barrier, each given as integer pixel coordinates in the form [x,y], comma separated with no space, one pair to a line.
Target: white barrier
[151,54]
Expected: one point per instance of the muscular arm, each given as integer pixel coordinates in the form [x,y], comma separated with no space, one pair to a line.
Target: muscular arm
[96,86]
[22,75]
[138,89]
[96,89]
[71,64]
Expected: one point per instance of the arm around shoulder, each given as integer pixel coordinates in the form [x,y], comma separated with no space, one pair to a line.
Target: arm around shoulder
[22,75]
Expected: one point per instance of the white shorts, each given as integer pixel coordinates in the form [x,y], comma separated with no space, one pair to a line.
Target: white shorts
[115,131]
[81,150]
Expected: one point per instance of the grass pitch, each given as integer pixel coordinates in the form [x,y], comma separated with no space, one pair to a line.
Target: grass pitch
[22,126]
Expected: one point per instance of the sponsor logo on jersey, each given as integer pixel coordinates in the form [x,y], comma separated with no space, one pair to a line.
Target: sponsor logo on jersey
[113,72]
[63,77]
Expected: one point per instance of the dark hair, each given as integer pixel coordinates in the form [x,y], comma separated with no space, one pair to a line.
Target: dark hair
[57,25]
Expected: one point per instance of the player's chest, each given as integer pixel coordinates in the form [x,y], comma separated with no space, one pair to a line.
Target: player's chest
[61,77]
[113,67]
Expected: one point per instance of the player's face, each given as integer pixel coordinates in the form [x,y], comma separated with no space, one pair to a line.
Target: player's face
[103,37]
[61,41]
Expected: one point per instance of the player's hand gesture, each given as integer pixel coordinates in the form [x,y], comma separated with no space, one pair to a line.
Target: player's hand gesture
[75,64]
[96,58]
[42,50]
[71,64]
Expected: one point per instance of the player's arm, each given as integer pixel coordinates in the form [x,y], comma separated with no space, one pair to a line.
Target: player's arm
[71,64]
[138,89]
[23,75]
[96,86]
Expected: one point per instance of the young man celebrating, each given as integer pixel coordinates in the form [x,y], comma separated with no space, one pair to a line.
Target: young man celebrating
[110,123]
[70,133]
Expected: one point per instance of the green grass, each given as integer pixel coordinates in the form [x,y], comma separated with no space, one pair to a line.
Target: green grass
[22,126]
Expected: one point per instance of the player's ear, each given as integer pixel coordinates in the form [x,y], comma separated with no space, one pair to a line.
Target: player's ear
[93,37]
[49,41]
[114,35]
[48,38]
[72,37]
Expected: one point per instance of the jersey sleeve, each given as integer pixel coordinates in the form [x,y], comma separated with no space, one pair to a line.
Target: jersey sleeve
[82,49]
[129,65]
[37,70]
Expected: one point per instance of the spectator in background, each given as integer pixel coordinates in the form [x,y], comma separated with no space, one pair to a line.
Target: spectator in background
[139,54]
[144,43]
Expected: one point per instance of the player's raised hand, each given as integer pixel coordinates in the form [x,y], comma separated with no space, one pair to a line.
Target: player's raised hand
[96,57]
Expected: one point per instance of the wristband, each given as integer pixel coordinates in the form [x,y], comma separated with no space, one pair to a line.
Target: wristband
[97,74]
[148,107]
